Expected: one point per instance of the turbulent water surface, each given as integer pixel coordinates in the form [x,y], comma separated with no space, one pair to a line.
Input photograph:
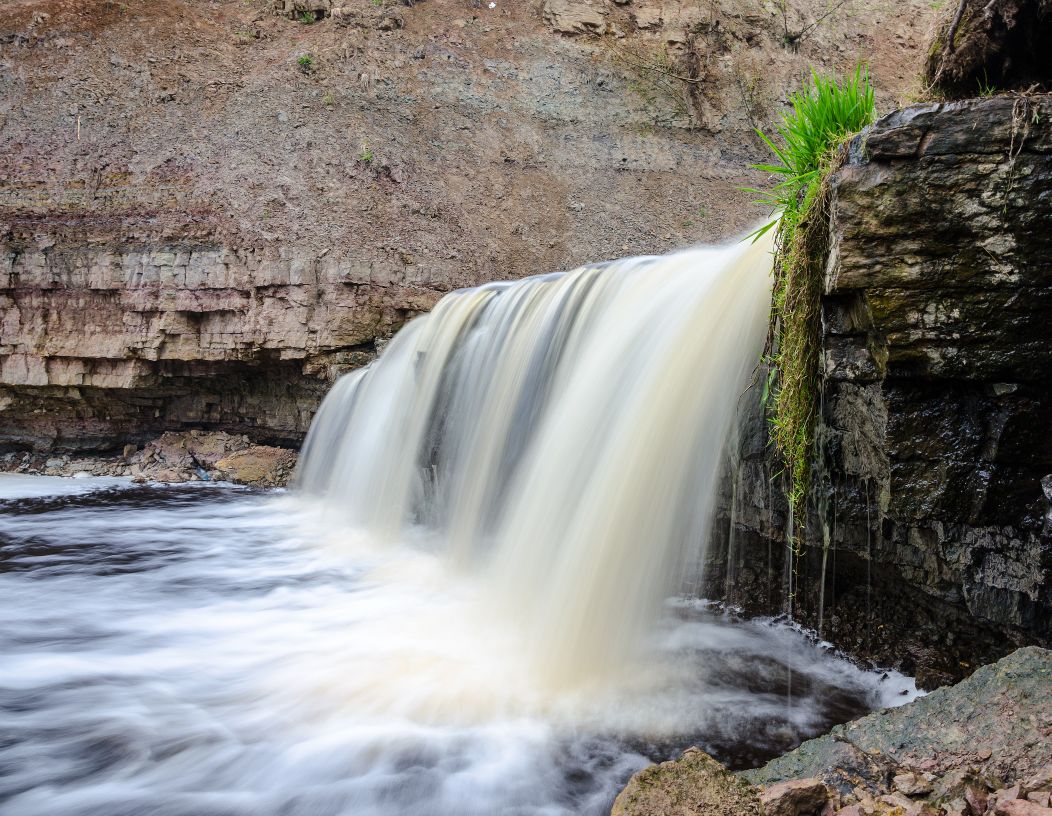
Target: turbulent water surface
[207,650]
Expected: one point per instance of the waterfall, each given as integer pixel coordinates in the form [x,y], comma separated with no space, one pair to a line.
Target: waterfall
[560,435]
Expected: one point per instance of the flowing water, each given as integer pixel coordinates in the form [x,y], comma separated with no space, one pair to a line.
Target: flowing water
[468,606]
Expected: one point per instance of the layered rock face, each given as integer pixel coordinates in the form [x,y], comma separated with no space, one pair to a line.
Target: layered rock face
[928,537]
[208,213]
[107,346]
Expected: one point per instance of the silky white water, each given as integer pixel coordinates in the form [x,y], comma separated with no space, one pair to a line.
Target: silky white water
[471,605]
[562,435]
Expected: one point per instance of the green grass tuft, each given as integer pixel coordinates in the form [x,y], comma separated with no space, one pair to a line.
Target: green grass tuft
[824,115]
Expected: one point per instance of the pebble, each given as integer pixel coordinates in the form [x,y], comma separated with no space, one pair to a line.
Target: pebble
[911,784]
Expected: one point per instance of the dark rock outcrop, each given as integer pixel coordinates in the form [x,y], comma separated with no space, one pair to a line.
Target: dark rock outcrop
[996,726]
[993,45]
[928,537]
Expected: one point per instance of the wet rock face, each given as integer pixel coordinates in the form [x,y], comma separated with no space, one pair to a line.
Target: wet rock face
[932,495]
[983,743]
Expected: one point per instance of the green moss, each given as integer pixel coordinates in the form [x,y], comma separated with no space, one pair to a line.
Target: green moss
[824,115]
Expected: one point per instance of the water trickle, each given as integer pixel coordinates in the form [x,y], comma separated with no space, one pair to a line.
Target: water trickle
[869,571]
[731,577]
[789,571]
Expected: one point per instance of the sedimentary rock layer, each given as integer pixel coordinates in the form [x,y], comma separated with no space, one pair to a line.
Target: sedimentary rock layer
[206,213]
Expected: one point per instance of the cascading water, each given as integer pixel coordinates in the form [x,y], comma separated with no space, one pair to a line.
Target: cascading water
[562,433]
[458,613]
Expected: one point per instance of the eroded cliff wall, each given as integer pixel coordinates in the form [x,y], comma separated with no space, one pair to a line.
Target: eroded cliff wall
[207,210]
[928,537]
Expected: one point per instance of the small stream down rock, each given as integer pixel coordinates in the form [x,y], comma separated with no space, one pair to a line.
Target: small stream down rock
[479,598]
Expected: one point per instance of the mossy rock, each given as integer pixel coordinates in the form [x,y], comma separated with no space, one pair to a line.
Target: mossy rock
[693,784]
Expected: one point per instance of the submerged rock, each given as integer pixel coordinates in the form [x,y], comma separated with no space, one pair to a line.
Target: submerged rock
[693,784]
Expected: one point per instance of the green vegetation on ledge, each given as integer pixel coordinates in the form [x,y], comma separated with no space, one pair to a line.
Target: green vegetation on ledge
[824,115]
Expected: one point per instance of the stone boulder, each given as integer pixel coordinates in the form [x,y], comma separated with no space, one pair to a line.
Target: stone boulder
[691,785]
[259,465]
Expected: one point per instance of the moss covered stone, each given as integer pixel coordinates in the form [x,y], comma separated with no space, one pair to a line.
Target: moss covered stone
[693,784]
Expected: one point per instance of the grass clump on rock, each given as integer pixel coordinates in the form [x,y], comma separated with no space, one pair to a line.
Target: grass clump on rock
[825,114]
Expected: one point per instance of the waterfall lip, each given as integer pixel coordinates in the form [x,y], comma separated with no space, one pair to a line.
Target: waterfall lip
[641,260]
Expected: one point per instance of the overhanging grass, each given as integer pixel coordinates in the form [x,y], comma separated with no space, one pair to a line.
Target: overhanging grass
[825,114]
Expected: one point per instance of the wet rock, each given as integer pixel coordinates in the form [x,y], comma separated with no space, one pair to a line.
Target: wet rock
[693,784]
[794,797]
[1005,707]
[937,307]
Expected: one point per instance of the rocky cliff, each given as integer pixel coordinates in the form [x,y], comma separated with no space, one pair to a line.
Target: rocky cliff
[209,209]
[928,537]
